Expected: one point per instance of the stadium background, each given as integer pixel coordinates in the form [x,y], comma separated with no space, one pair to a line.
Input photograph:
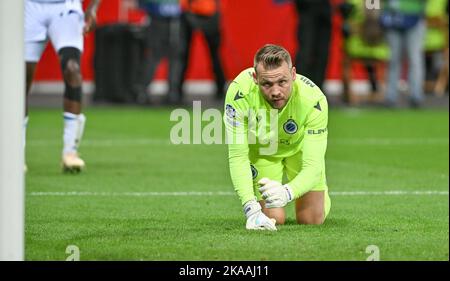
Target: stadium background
[244,29]
[144,198]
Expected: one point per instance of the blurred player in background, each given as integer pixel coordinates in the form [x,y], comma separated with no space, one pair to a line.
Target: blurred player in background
[313,36]
[163,41]
[436,47]
[64,23]
[364,42]
[301,114]
[202,15]
[405,25]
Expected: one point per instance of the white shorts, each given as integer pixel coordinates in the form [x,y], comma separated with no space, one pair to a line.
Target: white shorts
[61,22]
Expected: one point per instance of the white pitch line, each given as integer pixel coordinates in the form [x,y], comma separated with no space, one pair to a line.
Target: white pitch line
[389,192]
[165,142]
[133,194]
[389,141]
[104,143]
[228,193]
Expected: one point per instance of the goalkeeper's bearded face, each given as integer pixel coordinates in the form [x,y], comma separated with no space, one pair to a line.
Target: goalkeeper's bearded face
[275,84]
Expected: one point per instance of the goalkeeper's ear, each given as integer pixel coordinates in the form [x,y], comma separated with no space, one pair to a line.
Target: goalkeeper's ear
[254,76]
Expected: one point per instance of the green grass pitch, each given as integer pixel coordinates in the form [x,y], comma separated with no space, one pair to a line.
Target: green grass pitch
[117,209]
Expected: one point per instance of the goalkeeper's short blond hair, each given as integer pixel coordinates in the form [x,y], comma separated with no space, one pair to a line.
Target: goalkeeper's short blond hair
[272,56]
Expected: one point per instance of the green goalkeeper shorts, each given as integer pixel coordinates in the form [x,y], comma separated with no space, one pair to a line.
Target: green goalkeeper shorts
[275,168]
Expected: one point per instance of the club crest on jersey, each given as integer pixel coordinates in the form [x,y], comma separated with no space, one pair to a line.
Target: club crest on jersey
[290,126]
[254,171]
[230,111]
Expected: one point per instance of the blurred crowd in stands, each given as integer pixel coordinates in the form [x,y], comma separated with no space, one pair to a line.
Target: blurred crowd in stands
[395,41]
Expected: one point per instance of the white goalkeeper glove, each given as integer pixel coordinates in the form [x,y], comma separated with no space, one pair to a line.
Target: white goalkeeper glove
[256,219]
[275,194]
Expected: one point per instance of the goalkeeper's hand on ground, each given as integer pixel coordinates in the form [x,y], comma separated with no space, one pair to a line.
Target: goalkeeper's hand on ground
[275,194]
[256,219]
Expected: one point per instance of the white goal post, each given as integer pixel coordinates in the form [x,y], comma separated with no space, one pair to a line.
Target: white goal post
[12,89]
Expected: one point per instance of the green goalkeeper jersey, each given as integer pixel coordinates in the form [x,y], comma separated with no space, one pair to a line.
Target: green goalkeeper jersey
[254,129]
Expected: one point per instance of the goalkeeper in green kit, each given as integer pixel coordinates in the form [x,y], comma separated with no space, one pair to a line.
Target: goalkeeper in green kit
[276,125]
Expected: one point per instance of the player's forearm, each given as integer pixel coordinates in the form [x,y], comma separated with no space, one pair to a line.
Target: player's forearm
[306,180]
[313,166]
[240,172]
